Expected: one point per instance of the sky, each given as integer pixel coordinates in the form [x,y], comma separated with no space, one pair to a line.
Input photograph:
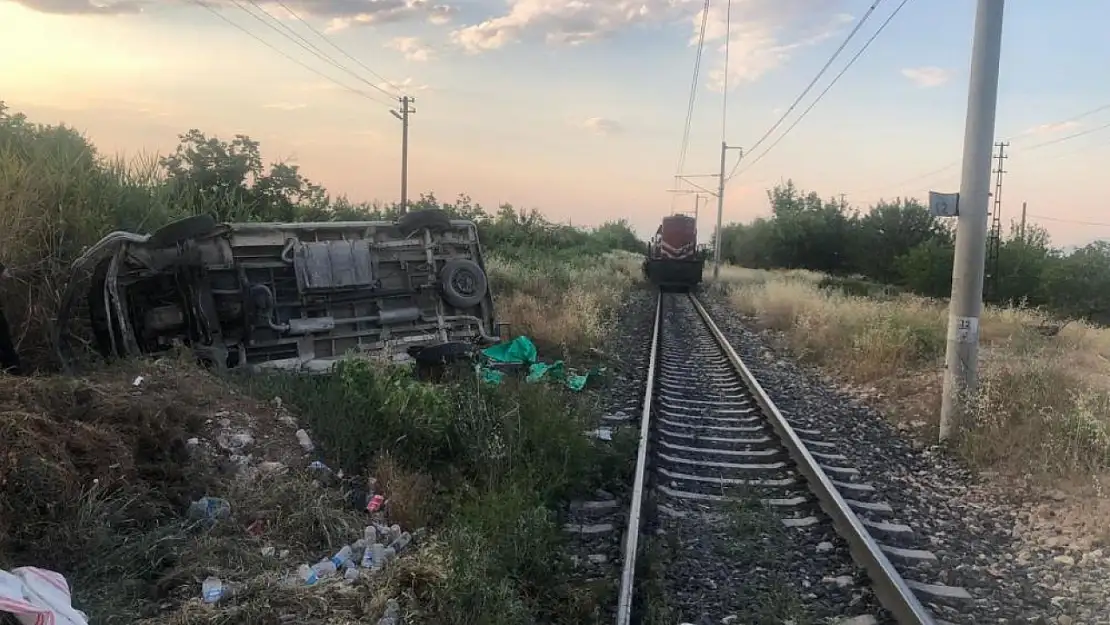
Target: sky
[577,107]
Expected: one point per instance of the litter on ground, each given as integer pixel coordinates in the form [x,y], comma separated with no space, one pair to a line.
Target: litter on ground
[521,352]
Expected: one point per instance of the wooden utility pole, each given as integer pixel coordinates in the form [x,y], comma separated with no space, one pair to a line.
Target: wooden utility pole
[1023,222]
[403,115]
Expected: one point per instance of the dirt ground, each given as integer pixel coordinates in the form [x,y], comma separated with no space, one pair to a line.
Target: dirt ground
[97,474]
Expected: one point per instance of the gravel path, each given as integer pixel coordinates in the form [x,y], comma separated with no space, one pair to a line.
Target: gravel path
[596,524]
[968,526]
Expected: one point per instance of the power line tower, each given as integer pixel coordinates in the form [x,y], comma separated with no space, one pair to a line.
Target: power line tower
[403,115]
[994,237]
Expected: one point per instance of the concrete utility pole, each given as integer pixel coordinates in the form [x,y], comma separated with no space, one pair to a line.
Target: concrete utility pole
[1023,222]
[961,358]
[403,115]
[717,243]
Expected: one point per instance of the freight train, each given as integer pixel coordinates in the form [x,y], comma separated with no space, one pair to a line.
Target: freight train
[673,260]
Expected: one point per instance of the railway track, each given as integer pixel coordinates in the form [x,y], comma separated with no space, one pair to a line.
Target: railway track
[710,437]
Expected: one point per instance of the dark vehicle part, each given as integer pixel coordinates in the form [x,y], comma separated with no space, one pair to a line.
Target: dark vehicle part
[463,282]
[290,296]
[431,219]
[183,229]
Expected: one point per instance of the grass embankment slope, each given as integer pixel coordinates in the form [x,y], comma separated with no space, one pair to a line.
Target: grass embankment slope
[96,472]
[1043,407]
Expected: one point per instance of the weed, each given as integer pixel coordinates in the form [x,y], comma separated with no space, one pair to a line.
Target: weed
[1043,401]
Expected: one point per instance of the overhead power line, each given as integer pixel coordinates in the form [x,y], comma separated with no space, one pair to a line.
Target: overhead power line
[1068,137]
[836,78]
[331,43]
[1071,221]
[271,46]
[1017,137]
[693,93]
[811,84]
[285,31]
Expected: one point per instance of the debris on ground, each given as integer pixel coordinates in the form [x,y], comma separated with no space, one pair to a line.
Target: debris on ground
[35,595]
[196,494]
[520,353]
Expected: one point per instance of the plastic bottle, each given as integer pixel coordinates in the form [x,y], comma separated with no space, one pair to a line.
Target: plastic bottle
[402,541]
[370,535]
[212,590]
[324,568]
[378,554]
[305,441]
[209,508]
[307,574]
[394,532]
[351,573]
[392,614]
[342,557]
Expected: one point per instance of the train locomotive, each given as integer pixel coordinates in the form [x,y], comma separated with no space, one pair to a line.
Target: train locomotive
[673,260]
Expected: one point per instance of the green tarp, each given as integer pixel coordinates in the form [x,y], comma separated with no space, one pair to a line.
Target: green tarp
[521,351]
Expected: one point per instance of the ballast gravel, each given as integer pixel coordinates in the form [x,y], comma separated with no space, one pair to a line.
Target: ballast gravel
[969,525]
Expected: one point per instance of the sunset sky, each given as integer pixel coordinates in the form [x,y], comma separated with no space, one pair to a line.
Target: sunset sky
[576,107]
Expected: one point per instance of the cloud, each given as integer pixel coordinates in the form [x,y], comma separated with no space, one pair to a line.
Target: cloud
[926,77]
[569,22]
[411,48]
[764,34]
[758,39]
[340,14]
[601,126]
[1048,129]
[83,7]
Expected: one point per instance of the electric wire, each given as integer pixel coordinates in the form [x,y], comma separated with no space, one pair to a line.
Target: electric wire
[692,99]
[339,49]
[271,46]
[724,80]
[1070,221]
[1017,136]
[811,84]
[1066,138]
[832,83]
[303,43]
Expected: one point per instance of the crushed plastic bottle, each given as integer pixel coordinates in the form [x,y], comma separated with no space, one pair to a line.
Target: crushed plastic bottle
[212,590]
[209,509]
[342,557]
[351,573]
[307,574]
[324,568]
[305,441]
[394,532]
[402,541]
[378,554]
[370,535]
[392,614]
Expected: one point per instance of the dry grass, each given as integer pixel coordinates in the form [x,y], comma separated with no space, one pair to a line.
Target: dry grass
[1043,405]
[560,305]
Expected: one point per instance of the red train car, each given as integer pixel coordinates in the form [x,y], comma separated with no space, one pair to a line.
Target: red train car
[673,259]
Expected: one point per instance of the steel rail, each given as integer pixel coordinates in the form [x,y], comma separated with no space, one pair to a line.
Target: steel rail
[631,540]
[889,587]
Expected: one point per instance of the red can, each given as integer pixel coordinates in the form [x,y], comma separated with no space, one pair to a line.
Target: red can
[374,503]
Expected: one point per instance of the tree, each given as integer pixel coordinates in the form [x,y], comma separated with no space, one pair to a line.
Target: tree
[1079,284]
[888,231]
[927,268]
[227,178]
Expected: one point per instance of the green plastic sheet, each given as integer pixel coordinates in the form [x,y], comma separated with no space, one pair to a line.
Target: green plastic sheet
[521,351]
